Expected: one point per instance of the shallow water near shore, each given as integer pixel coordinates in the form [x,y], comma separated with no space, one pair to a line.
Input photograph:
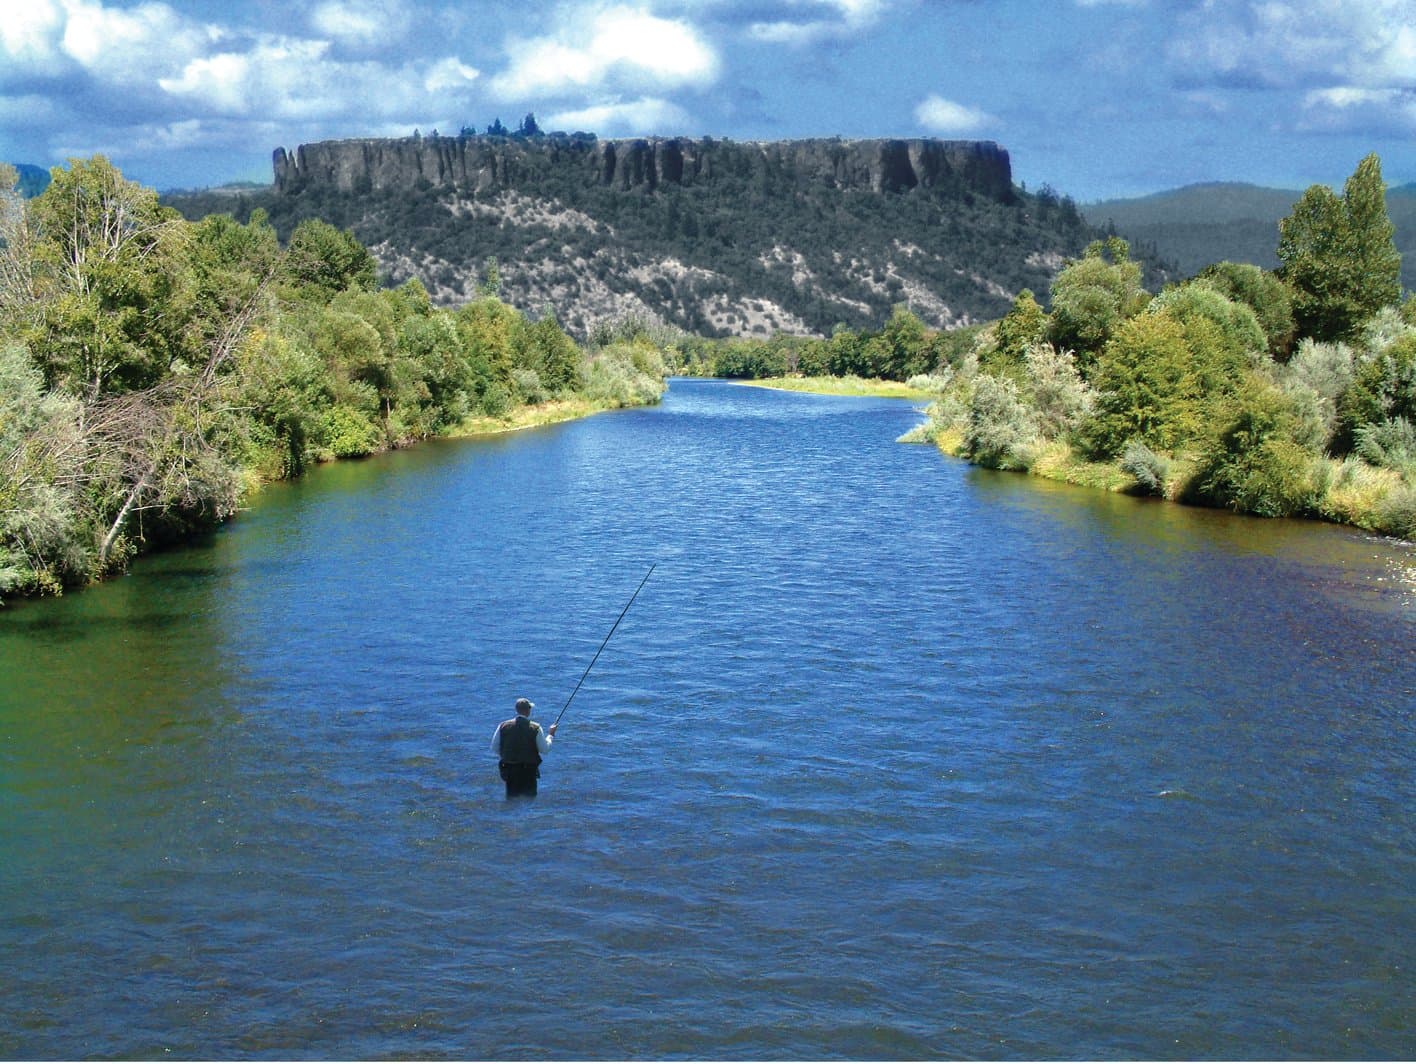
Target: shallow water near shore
[893,757]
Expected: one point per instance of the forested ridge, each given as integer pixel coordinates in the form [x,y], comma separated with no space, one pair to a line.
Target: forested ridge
[154,370]
[1279,393]
[1194,226]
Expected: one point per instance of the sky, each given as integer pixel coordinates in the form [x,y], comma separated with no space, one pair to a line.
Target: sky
[1096,98]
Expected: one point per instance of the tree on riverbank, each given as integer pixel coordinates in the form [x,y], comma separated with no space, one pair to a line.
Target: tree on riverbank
[154,370]
[1200,393]
[1277,393]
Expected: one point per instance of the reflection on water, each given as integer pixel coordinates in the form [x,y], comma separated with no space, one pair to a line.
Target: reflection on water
[893,757]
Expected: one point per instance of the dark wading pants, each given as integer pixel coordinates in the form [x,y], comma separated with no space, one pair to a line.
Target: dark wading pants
[520,779]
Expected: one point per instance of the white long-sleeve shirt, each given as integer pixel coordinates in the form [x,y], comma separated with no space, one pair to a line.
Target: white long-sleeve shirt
[543,741]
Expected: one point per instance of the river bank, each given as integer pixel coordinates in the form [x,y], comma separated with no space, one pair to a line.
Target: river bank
[849,386]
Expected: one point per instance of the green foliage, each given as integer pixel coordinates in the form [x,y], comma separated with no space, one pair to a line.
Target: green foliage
[1262,461]
[1092,296]
[749,360]
[113,288]
[1389,444]
[1338,256]
[347,432]
[325,260]
[1000,432]
[1383,388]
[626,374]
[1060,399]
[151,366]
[1147,388]
[1265,294]
[1022,327]
[544,347]
[40,545]
[1150,470]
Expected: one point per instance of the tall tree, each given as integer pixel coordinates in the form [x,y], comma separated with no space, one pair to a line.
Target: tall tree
[1338,255]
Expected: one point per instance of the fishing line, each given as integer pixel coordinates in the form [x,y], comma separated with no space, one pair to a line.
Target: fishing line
[602,645]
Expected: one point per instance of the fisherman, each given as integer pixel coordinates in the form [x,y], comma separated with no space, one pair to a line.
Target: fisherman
[519,744]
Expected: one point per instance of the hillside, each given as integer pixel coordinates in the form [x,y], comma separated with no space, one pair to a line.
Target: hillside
[716,237]
[1197,225]
[33,179]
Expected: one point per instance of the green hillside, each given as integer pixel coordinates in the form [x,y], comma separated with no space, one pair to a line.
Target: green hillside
[1198,225]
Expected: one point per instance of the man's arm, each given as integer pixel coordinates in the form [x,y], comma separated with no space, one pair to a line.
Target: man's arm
[544,738]
[496,742]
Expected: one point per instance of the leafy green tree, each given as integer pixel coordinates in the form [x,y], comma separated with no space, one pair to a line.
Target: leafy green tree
[1022,327]
[899,350]
[1265,294]
[543,346]
[1338,255]
[1262,459]
[1146,388]
[1224,337]
[1092,296]
[114,291]
[326,260]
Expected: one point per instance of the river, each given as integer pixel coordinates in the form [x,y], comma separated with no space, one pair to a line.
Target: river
[893,757]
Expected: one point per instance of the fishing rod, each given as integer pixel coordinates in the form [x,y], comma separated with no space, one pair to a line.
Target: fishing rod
[602,645]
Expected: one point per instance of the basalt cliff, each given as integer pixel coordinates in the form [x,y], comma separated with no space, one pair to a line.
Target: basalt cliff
[480,164]
[716,237]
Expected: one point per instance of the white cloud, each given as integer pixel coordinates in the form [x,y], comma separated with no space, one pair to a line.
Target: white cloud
[30,35]
[124,44]
[647,116]
[946,116]
[1344,110]
[608,45]
[824,18]
[266,76]
[1278,43]
[360,24]
[449,75]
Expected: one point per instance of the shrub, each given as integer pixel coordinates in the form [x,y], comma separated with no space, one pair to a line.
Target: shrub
[1060,398]
[1149,469]
[1265,294]
[528,386]
[1389,444]
[1238,326]
[1383,386]
[938,382]
[348,433]
[1396,514]
[1000,432]
[1324,371]
[496,399]
[1262,461]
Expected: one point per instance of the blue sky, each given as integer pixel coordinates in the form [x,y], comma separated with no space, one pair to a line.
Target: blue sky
[1098,98]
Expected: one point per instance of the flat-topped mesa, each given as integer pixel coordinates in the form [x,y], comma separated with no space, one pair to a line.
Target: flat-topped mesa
[484,163]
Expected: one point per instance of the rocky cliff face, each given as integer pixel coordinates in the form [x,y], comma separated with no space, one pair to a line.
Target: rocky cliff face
[489,164]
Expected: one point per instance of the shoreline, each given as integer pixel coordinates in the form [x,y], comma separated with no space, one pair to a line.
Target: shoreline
[849,387]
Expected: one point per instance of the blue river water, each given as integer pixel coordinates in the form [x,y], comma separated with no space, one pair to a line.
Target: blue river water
[893,757]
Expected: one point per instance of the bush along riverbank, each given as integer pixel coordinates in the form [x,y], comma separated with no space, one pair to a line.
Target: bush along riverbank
[154,372]
[1287,393]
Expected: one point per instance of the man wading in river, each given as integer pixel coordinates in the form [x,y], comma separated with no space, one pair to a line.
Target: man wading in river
[519,744]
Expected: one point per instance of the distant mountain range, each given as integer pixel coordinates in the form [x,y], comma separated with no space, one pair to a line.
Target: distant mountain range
[1195,226]
[716,237]
[33,179]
